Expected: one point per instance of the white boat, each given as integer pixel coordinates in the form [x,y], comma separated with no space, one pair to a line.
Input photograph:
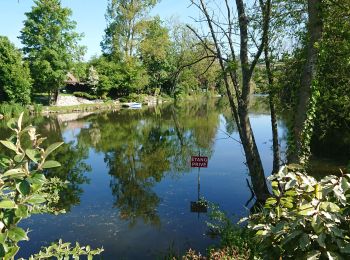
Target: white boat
[135,105]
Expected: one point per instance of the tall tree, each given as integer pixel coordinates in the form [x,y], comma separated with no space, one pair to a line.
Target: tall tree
[15,81]
[123,23]
[154,52]
[50,44]
[306,103]
[222,35]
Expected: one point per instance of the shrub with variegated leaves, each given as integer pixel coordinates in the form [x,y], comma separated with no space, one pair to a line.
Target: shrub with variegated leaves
[24,190]
[304,218]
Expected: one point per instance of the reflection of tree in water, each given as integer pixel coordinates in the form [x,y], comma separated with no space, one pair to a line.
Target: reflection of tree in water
[141,148]
[70,155]
[137,163]
[73,171]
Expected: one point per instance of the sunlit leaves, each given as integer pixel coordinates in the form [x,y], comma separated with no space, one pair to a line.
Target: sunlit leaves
[52,148]
[50,164]
[9,145]
[17,234]
[305,218]
[7,204]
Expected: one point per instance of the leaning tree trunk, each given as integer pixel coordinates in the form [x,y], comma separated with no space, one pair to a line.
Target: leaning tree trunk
[302,129]
[249,145]
[239,108]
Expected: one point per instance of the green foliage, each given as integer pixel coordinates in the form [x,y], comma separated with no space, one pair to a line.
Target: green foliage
[62,251]
[154,51]
[124,19]
[119,78]
[333,108]
[10,110]
[332,80]
[232,236]
[25,190]
[50,43]
[85,95]
[15,81]
[304,218]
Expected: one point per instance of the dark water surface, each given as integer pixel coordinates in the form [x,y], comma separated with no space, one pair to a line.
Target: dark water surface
[131,184]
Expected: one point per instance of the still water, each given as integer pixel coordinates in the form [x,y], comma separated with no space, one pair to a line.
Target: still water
[130,182]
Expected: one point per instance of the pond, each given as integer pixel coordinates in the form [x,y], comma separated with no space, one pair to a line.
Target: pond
[130,181]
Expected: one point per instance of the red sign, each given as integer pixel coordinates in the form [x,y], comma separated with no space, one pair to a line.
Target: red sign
[199,162]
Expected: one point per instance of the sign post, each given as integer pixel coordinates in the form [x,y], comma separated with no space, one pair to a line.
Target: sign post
[199,162]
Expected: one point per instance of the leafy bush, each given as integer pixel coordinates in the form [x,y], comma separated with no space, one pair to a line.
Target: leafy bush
[15,80]
[304,218]
[233,237]
[37,108]
[85,95]
[217,254]
[10,110]
[24,190]
[123,99]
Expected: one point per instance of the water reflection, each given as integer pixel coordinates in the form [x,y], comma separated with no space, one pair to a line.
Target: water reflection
[130,177]
[140,149]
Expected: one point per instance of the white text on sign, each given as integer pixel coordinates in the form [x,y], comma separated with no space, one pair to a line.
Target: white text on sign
[199,161]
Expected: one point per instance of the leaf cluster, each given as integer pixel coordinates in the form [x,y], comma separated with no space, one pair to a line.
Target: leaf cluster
[304,218]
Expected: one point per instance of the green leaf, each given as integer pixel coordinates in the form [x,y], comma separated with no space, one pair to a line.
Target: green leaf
[329,206]
[12,124]
[306,210]
[313,255]
[19,122]
[19,157]
[290,184]
[17,234]
[4,161]
[7,204]
[34,155]
[23,187]
[14,173]
[291,236]
[2,251]
[50,164]
[37,178]
[304,242]
[270,202]
[9,145]
[345,185]
[36,199]
[322,240]
[3,237]
[52,148]
[22,211]
[12,251]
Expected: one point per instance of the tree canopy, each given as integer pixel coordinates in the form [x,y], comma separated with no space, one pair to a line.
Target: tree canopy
[15,80]
[50,44]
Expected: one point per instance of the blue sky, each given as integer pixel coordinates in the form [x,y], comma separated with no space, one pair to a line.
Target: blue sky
[89,15]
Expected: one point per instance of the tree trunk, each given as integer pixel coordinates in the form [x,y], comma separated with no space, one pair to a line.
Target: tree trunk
[240,110]
[275,145]
[56,93]
[249,145]
[297,155]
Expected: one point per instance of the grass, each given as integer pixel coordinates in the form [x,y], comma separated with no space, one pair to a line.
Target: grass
[82,107]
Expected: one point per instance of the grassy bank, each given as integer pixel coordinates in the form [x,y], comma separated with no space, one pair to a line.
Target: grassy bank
[110,105]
